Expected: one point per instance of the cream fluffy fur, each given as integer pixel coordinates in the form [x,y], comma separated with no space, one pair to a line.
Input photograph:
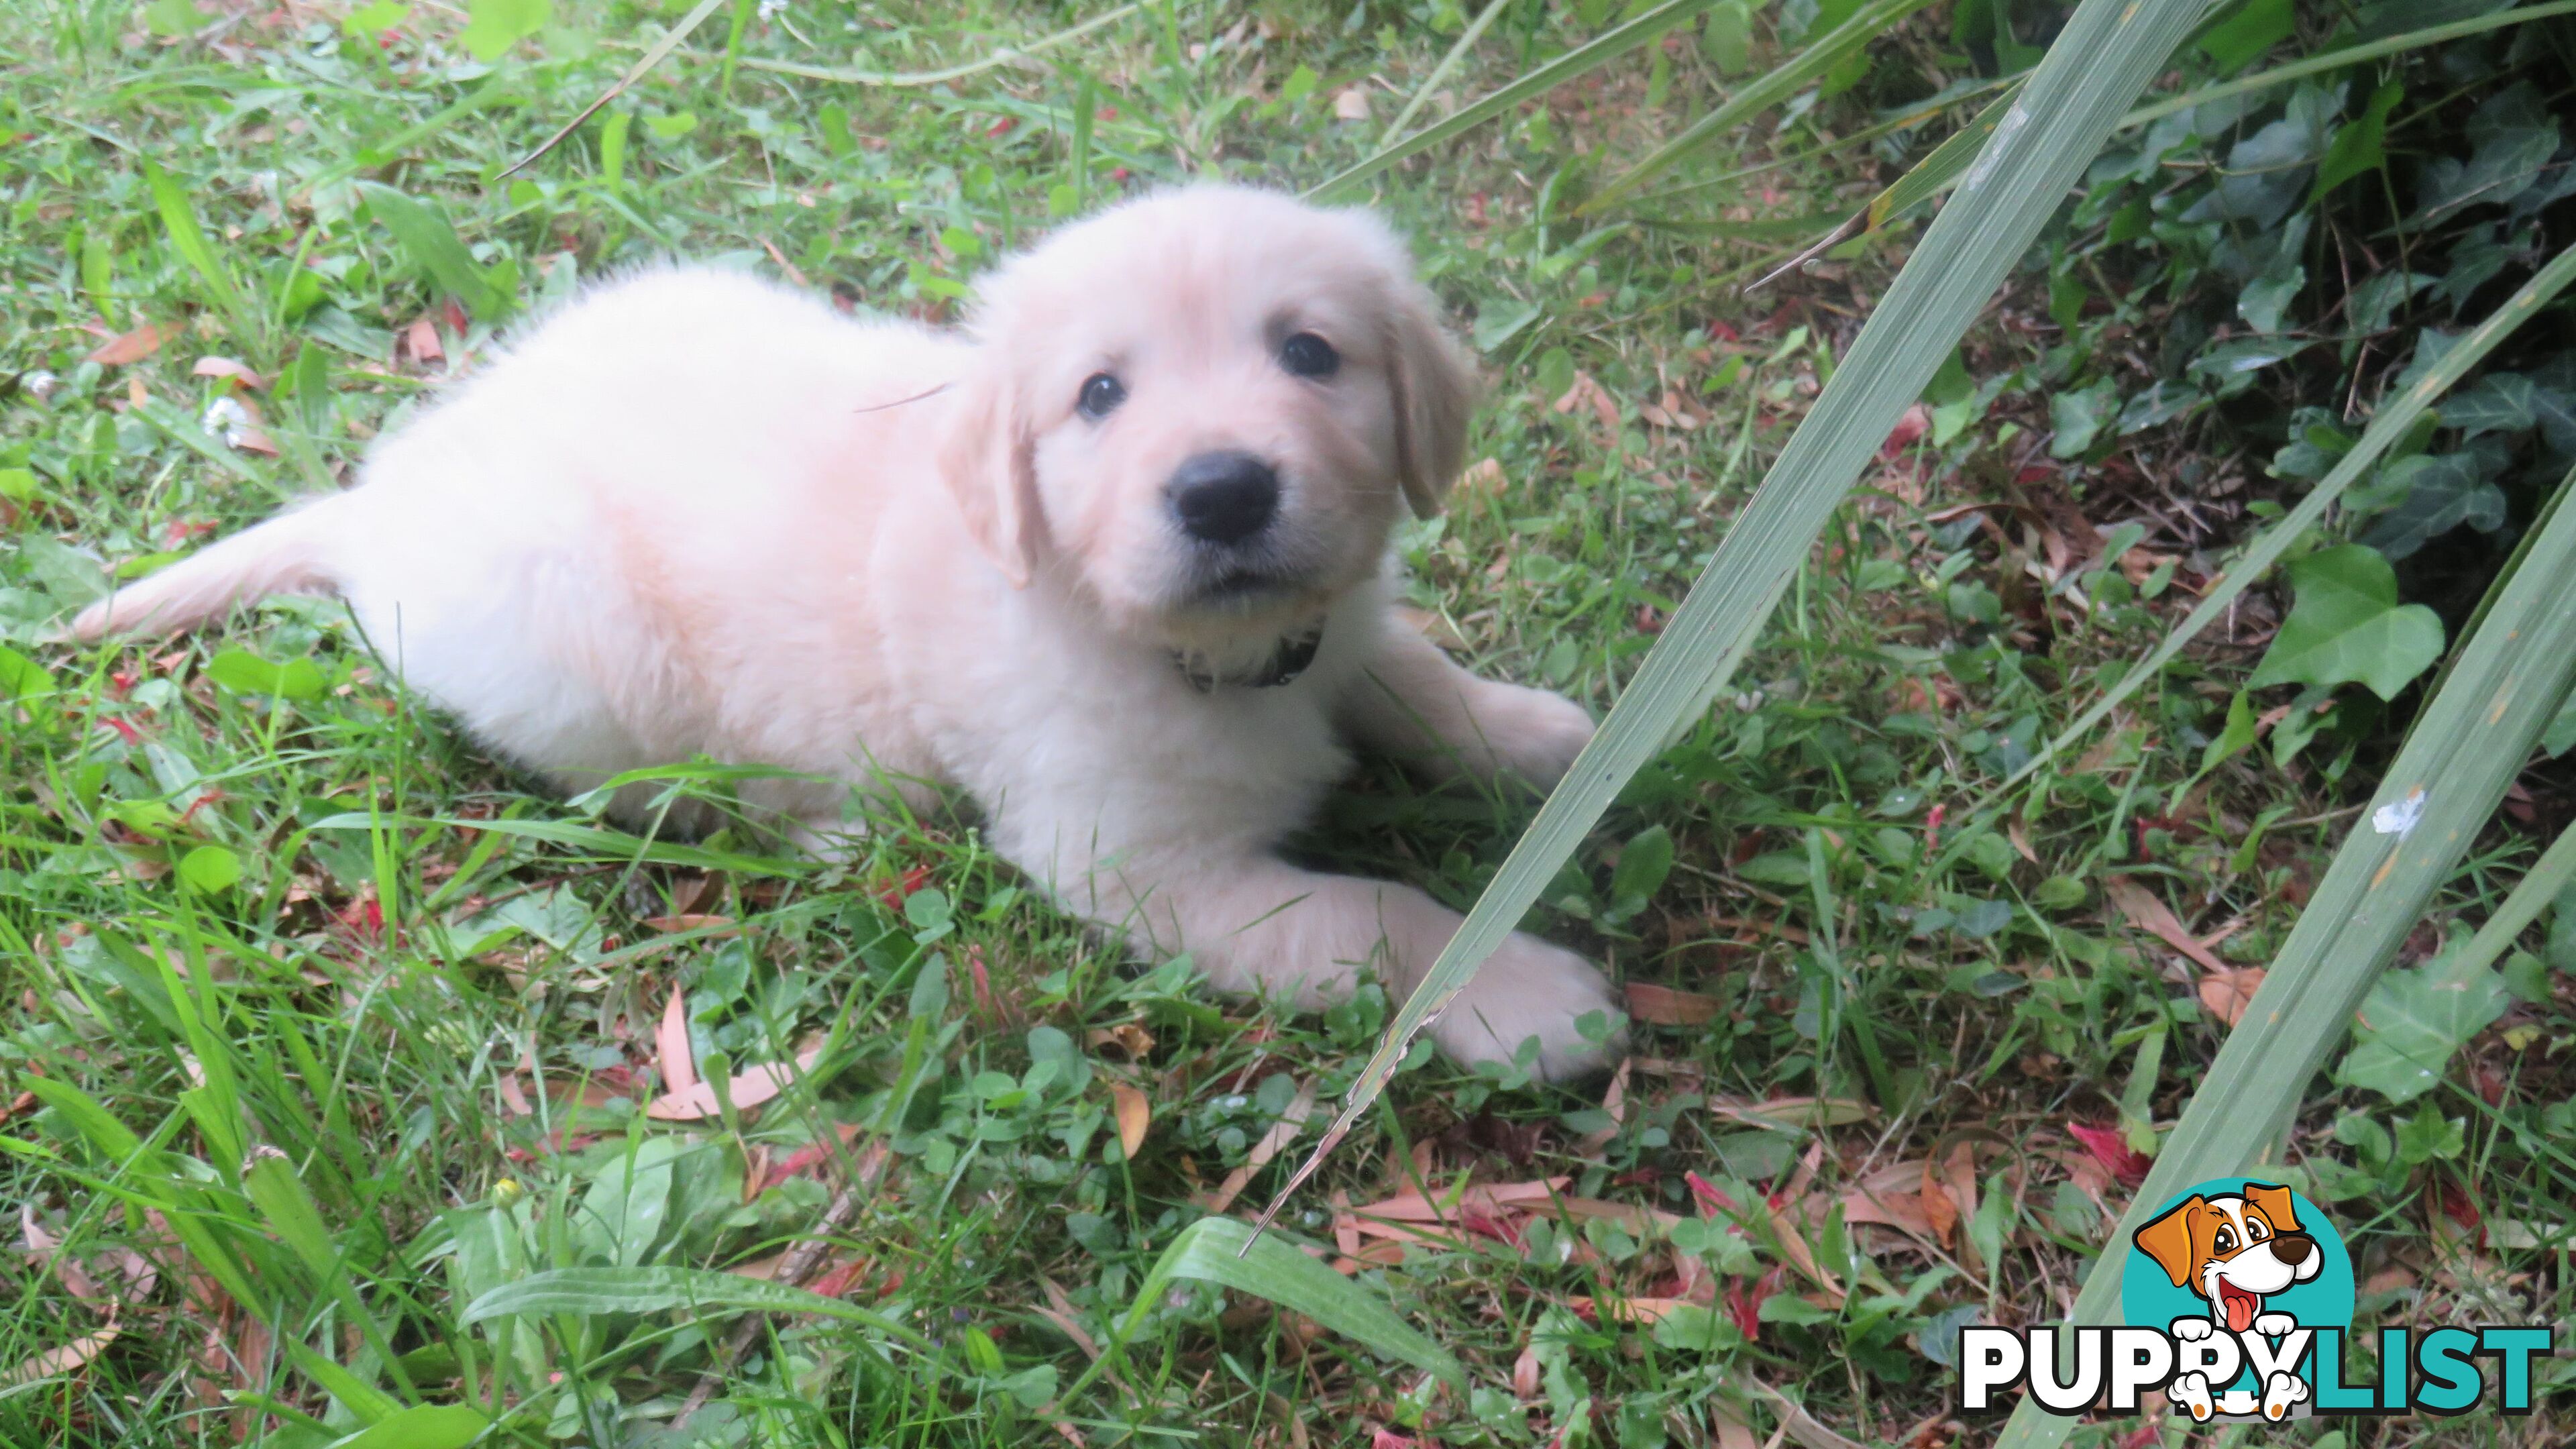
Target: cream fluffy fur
[697,514]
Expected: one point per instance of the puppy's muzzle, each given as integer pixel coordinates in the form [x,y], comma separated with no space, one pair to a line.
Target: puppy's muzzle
[1224,498]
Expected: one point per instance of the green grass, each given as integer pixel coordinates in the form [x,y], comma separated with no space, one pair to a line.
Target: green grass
[255,901]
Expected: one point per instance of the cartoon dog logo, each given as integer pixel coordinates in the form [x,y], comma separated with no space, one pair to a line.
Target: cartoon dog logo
[2234,1250]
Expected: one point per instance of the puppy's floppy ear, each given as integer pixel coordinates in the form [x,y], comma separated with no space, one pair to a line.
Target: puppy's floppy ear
[2277,1206]
[987,458]
[1435,392]
[2168,1240]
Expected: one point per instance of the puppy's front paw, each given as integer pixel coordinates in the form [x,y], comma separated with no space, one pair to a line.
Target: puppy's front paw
[2191,1392]
[1526,989]
[2280,1391]
[2274,1325]
[1532,734]
[2192,1328]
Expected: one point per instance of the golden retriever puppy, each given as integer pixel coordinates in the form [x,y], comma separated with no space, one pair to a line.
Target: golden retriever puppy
[1115,563]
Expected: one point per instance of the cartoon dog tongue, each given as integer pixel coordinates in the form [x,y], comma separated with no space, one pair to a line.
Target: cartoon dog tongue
[2240,1305]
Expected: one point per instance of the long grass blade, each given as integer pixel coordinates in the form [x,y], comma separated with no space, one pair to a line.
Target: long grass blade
[1231,1253]
[2108,52]
[588,1291]
[1580,61]
[2507,681]
[2392,423]
[659,51]
[1422,93]
[1838,45]
[998,56]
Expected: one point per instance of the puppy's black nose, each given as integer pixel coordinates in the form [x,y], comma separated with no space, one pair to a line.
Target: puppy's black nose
[1224,497]
[2293,1248]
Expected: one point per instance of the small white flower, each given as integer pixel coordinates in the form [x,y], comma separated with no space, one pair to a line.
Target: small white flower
[2398,817]
[40,385]
[772,9]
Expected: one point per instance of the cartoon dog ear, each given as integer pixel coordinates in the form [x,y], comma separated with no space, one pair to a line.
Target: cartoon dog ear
[1434,388]
[2277,1206]
[2168,1240]
[987,458]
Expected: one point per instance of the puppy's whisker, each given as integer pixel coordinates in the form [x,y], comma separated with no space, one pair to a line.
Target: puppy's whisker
[899,402]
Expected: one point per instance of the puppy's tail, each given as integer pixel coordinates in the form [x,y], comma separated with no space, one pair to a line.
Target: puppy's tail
[287,554]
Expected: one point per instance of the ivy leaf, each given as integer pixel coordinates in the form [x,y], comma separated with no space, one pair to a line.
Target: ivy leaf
[2347,627]
[1643,865]
[2359,145]
[2241,38]
[2078,417]
[2501,402]
[2441,492]
[2502,168]
[493,26]
[2413,1021]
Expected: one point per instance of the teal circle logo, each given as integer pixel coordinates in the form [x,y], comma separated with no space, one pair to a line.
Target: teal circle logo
[2235,1255]
[2235,1249]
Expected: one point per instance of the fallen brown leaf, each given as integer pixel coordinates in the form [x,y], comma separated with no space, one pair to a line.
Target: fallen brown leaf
[2151,915]
[226,367]
[62,1360]
[1135,1114]
[1664,1006]
[2225,993]
[132,347]
[671,1045]
[747,1089]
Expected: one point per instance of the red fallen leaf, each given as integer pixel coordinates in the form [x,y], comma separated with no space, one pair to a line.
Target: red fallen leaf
[1001,127]
[894,893]
[1109,113]
[421,340]
[1913,425]
[1744,1306]
[122,682]
[840,1278]
[1118,173]
[2034,473]
[1389,1439]
[804,1160]
[180,531]
[1932,827]
[125,727]
[984,1004]
[2459,1208]
[454,316]
[227,367]
[1710,1198]
[365,917]
[133,346]
[2113,1151]
[1485,1224]
[1723,333]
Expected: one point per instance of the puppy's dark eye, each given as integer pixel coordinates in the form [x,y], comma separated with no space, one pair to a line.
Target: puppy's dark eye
[2224,1240]
[1308,355]
[2253,1232]
[1100,396]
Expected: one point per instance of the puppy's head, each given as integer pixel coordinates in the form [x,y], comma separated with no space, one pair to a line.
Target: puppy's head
[2234,1248]
[1203,410]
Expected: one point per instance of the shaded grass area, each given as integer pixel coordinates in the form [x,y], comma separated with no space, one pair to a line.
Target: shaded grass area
[1889,1078]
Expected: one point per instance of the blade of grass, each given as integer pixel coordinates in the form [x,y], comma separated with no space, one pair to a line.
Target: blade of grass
[2108,52]
[999,56]
[660,51]
[188,239]
[1422,93]
[2392,422]
[1837,45]
[1580,61]
[1232,1254]
[588,1291]
[2507,682]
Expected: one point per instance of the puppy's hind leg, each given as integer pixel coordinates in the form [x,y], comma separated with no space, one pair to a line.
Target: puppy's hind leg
[1259,926]
[1413,703]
